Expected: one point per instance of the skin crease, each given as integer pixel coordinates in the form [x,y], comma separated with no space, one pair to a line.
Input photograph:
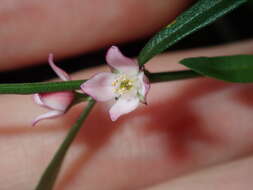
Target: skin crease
[190,131]
[233,175]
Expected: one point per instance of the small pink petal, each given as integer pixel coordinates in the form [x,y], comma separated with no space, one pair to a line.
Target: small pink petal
[121,63]
[37,99]
[51,114]
[100,86]
[144,85]
[123,106]
[56,100]
[61,73]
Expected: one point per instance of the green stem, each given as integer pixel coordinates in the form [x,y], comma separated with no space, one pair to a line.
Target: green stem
[32,88]
[50,174]
[170,76]
[37,87]
[79,97]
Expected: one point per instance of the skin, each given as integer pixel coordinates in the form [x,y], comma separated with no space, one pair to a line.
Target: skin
[71,27]
[194,134]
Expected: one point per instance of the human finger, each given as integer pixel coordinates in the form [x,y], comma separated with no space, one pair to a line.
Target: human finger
[30,30]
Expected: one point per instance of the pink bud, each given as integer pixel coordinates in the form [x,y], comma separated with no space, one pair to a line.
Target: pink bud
[57,102]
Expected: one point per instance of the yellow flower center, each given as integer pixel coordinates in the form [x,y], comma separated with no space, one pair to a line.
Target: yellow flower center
[122,84]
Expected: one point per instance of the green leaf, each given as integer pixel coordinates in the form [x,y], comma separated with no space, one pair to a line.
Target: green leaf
[49,177]
[37,87]
[237,68]
[198,16]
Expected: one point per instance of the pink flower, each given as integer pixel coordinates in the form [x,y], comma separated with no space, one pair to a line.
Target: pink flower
[57,102]
[127,84]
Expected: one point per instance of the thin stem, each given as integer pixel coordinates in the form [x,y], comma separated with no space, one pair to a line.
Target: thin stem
[37,87]
[170,76]
[32,88]
[49,176]
[79,97]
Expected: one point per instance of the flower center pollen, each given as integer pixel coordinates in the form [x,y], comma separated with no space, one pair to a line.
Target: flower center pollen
[122,84]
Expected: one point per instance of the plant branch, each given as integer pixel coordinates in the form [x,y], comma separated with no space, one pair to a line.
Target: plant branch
[171,76]
[38,87]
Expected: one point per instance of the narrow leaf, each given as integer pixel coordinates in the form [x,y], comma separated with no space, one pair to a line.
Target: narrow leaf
[237,68]
[198,16]
[49,177]
[37,87]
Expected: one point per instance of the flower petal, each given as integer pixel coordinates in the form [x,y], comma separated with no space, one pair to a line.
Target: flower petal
[51,114]
[123,106]
[61,73]
[121,63]
[144,86]
[37,99]
[100,86]
[55,100]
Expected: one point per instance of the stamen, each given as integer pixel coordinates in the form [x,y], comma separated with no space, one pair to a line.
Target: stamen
[122,84]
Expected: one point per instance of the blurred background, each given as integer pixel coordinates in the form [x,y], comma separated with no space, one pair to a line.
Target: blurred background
[233,27]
